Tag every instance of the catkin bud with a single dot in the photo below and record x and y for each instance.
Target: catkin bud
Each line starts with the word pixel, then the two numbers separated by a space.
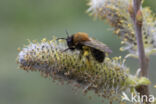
pixel 139 17
pixel 107 79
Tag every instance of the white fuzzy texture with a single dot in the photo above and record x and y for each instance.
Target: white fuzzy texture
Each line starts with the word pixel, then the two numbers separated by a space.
pixel 116 11
pixel 96 4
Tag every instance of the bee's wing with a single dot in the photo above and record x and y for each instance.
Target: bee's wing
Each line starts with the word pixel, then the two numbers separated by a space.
pixel 97 45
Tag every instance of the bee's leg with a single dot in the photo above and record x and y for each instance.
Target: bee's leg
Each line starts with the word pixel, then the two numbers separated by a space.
pixel 88 60
pixel 81 54
pixel 86 55
pixel 65 50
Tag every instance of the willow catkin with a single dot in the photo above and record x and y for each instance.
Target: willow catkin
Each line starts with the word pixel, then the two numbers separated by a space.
pixel 107 79
pixel 118 14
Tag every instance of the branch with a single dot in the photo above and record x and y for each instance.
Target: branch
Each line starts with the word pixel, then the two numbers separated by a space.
pixel 143 60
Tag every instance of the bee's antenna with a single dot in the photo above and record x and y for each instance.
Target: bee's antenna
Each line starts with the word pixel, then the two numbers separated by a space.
pixel 67 32
pixel 61 38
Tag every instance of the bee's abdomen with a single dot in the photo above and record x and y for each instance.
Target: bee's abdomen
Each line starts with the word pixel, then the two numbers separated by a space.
pixel 98 55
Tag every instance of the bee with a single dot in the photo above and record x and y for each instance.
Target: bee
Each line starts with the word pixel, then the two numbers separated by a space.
pixel 82 42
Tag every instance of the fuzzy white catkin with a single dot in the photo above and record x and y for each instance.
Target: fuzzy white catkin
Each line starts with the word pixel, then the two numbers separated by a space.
pixel 108 79
pixel 117 14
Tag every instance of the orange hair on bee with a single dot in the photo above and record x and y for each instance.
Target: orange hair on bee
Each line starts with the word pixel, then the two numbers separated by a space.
pixel 80 37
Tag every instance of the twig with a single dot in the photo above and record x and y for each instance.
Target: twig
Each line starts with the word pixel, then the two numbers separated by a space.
pixel 143 60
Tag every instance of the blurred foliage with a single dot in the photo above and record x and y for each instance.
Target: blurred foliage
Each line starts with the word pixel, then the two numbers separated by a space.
pixel 35 19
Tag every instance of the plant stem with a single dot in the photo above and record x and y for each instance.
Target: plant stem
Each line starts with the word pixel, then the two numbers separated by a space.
pixel 138 29
pixel 143 60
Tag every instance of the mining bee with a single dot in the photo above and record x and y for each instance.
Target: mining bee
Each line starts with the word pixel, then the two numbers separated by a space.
pixel 82 42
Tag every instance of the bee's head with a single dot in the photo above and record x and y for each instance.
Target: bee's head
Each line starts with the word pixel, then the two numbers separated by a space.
pixel 70 42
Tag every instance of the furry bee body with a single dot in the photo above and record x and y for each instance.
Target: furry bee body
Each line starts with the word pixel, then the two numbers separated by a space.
pixel 79 40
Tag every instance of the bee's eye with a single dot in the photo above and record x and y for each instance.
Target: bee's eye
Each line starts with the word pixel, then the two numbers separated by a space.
pixel 69 40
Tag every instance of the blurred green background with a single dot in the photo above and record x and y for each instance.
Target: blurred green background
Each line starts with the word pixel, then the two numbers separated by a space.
pixel 36 19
